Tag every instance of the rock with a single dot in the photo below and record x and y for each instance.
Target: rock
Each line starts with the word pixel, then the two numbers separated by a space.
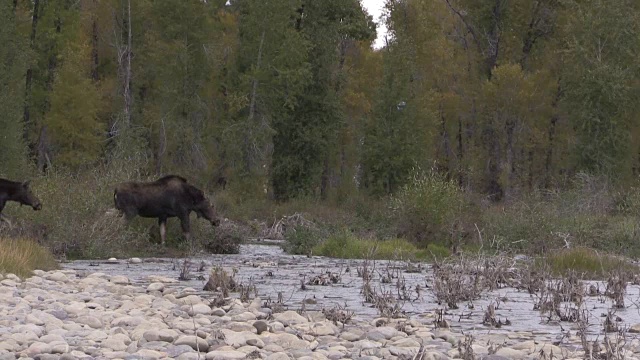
pixel 166 335
pixel 261 326
pixel 494 357
pixel 196 343
pixel 174 351
pixel 57 276
pixel 135 260
pixel 255 342
pixel 115 344
pixel 50 338
pixel 90 321
pixel 349 336
pixel 511 353
pixel 196 309
pixel 289 318
pixel 38 348
pixel 278 356
pixel 286 341
pixel 245 316
pixel 233 338
pixel 384 333
pixel 406 342
pixel 119 279
pixel 156 286
pixel 225 355
pixel 218 312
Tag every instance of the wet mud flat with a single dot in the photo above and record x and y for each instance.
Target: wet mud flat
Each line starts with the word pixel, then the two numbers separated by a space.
pixel 330 283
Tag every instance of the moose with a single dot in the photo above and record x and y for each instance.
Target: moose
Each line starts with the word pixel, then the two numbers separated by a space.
pixel 19 192
pixel 170 196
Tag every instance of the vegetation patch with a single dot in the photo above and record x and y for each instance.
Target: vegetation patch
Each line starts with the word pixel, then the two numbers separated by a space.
pixel 345 245
pixel 21 256
pixel 589 262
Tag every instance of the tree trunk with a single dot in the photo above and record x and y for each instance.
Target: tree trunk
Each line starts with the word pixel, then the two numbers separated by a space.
pixel 94 47
pixel 29 76
pixel 127 76
pixel 551 136
pixel 248 135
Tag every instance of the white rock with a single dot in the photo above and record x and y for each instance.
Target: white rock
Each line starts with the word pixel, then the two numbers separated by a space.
pixel 194 342
pixel 57 276
pixel 233 338
pixel 288 318
pixel 225 355
pixel 120 279
pixel 156 286
pixel 135 260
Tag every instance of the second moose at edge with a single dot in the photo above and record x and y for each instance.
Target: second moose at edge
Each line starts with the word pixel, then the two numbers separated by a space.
pixel 169 196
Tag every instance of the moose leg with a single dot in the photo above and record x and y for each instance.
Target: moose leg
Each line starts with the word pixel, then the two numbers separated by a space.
pixel 163 229
pixel 186 227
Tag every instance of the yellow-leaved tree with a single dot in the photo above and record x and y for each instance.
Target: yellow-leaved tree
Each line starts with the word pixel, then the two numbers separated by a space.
pixel 76 132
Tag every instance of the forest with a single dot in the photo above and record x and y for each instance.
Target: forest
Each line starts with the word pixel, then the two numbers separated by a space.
pixel 487 123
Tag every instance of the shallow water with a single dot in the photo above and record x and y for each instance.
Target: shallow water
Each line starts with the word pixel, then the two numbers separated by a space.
pixel 272 271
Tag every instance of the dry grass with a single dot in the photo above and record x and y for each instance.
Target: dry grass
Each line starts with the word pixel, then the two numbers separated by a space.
pixel 22 256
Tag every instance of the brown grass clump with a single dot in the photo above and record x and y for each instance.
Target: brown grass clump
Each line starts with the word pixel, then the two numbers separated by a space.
pixel 21 256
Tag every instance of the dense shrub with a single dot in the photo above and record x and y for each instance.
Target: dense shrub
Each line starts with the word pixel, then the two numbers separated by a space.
pixel 431 209
pixel 300 240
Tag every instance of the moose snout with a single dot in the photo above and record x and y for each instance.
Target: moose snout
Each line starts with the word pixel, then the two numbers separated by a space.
pixel 215 222
pixel 37 206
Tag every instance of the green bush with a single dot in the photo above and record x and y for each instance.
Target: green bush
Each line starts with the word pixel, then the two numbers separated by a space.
pixel 431 209
pixel 301 240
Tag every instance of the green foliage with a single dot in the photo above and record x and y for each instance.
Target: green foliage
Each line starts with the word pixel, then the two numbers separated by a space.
pixel 73 119
pixel 301 240
pixel 601 82
pixel 428 208
pixel 12 67
pixel 587 215
pixel 346 245
pixel 591 263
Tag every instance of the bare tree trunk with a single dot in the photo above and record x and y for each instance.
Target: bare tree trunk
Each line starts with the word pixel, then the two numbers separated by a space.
pixel 44 153
pixel 127 78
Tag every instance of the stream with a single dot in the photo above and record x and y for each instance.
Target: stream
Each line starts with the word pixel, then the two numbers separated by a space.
pixel 273 272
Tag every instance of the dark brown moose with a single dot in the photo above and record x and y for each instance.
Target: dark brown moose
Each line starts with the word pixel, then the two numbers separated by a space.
pixel 18 192
pixel 167 197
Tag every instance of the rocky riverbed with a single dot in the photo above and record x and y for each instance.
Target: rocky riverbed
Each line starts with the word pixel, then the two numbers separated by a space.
pixel 60 315
pixel 137 309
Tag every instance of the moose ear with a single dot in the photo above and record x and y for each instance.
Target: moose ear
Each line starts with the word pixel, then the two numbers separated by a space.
pixel 25 184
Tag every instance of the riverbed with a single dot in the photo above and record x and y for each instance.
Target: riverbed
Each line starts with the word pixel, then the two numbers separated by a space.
pixel 279 275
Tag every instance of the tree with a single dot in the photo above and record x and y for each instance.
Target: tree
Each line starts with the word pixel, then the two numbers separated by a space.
pixel 12 67
pixel 601 79
pixel 76 132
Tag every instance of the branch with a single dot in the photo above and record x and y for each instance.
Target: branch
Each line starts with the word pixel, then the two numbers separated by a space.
pixel 470 28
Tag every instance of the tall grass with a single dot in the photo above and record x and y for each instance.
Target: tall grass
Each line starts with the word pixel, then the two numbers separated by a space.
pixel 348 246
pixel 592 263
pixel 21 256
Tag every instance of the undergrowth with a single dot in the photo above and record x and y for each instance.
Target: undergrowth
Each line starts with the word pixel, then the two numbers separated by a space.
pixel 348 246
pixel 589 262
pixel 21 256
